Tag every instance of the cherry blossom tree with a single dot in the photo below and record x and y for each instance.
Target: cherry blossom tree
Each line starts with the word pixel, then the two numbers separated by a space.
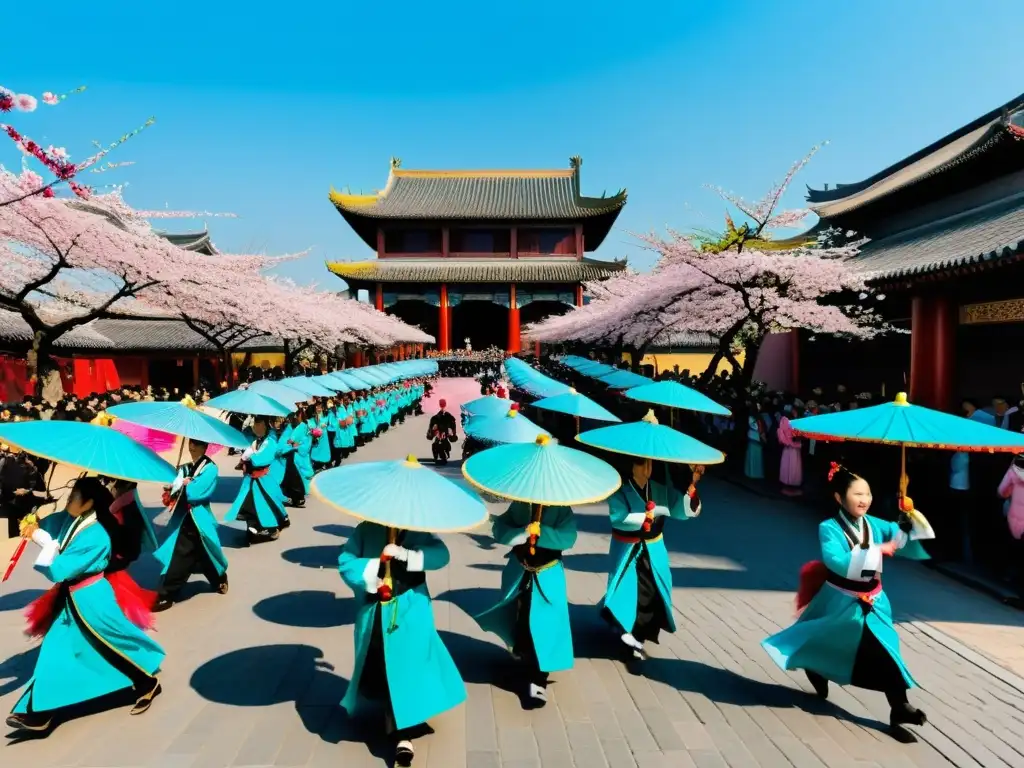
pixel 55 161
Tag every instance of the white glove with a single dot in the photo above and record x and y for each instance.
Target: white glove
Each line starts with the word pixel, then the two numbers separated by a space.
pixel 370 579
pixel 396 552
pixel 247 454
pixel 519 539
pixel 176 485
pixel 41 537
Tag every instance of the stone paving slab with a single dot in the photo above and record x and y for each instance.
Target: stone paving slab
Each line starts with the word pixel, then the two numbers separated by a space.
pixel 253 678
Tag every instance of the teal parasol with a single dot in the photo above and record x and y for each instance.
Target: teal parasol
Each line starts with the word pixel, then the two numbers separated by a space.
pixel 650 440
pixel 510 428
pixel 275 390
pixel 575 404
pixel 90 448
pixel 182 420
pixel 490 405
pixel 250 403
pixel 596 370
pixel 403 495
pixel 331 382
pixel 532 381
pixel 352 382
pixel 624 379
pixel 542 473
pixel 307 386
pixel 672 394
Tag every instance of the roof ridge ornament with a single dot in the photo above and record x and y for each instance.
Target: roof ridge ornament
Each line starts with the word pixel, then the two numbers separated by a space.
pixel 396 163
pixel 575 162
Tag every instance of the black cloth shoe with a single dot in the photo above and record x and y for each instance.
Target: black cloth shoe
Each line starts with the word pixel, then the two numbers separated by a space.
pixel 30 722
pixel 819 683
pixel 904 714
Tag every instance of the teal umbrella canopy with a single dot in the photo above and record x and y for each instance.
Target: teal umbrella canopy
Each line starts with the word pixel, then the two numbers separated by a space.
pixel 90 448
pixel 575 361
pixel 576 404
pixel 513 427
pixel 914 426
pixel 623 379
pixel 401 494
pixel 181 420
pixel 275 390
pixel 490 405
pixel 650 440
pixel 352 382
pixel 672 394
pixel 330 382
pixel 307 386
pixel 532 381
pixel 596 370
pixel 251 403
pixel 542 472
pixel 368 376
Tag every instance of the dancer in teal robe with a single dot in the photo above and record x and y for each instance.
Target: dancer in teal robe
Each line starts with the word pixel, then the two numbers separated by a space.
pixel 399 657
pixel 320 446
pixel 344 436
pixel 353 428
pixel 367 422
pixel 291 485
pixel 638 600
pixel 90 648
pixel 281 430
pixel 302 439
pixel 333 409
pixel 193 542
pixel 845 631
pixel 532 613
pixel 256 505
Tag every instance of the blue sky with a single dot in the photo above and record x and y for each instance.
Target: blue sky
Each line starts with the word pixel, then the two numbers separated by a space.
pixel 260 111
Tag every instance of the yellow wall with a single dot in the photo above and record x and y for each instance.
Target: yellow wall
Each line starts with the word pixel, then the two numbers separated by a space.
pixel 695 362
pixel 257 359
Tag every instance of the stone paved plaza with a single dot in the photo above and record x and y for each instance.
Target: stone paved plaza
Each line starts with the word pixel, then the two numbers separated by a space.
pixel 253 678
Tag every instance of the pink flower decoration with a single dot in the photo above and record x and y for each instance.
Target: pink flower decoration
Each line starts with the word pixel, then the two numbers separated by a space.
pixel 25 102
pixel 50 98
pixel 317 432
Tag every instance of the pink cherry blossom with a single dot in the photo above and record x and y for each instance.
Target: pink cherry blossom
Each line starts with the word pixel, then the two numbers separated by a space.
pixel 25 102
pixel 50 98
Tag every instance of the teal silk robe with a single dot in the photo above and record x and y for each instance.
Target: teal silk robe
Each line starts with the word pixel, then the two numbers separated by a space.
pixel 423 681
pixel 198 494
pixel 320 447
pixel 269 511
pixel 549 605
pixel 826 636
pixel 304 445
pixel 69 670
pixel 628 511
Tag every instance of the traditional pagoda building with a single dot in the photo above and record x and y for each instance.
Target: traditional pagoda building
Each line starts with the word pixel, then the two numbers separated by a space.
pixel 477 254
pixel 946 229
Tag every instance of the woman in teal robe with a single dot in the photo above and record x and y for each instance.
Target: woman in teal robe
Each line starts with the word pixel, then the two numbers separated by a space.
pixel 192 543
pixel 320 446
pixel 343 436
pixel 845 631
pixel 281 430
pixel 532 613
pixel 353 427
pixel 256 505
pixel 90 648
pixel 333 409
pixel 638 600
pixel 302 439
pixel 399 657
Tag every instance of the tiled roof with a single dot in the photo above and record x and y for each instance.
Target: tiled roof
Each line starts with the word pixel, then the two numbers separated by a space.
pixel 191 241
pixel 492 195
pixel 989 233
pixel 682 341
pixel 455 270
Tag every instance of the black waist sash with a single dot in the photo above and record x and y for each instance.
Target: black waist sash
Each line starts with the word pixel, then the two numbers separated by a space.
pixel 850 585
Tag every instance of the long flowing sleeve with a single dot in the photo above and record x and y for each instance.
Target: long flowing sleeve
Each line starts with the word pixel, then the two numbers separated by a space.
pixel 557 529
pixel 427 553
pixel 88 553
pixel 359 572
pixel 266 454
pixel 622 517
pixel 510 524
pixel 200 489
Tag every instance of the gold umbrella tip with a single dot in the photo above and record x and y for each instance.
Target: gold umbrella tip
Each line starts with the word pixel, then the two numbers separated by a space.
pixel 572 391
pixel 901 399
pixel 650 418
pixel 543 439
pixel 412 461
pixel 512 412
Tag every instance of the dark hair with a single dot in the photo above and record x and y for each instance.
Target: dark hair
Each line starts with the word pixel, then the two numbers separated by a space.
pixel 840 479
pixel 198 443
pixel 92 489
pixel 309 411
pixel 261 420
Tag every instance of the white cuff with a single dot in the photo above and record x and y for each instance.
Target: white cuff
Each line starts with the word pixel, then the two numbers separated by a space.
pixel 634 519
pixel 247 454
pixel 695 512
pixel 922 530
pixel 370 575
pixel 47 554
pixel 176 486
pixel 414 562
pixel 861 560
pixel 41 537
pixel 660 511
pixel 901 539
pixel 518 539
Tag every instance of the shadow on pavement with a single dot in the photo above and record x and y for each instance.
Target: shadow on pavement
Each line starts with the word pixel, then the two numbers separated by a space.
pixel 311 609
pixel 262 676
pixel 17 670
pixel 227 489
pixel 496 567
pixel 325 556
pixel 482 540
pixel 16 601
pixel 335 529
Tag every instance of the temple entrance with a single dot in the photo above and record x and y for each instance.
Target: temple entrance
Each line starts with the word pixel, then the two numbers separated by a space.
pixel 536 311
pixel 418 313
pixel 484 323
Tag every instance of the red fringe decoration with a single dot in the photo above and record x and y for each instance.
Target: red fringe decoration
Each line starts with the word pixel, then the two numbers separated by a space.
pixel 812 579
pixel 135 602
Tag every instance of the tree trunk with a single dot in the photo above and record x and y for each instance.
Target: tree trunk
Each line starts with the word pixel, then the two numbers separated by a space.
pixel 288 357
pixel 37 361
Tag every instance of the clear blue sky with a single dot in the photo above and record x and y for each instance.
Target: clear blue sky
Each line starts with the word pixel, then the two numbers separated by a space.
pixel 260 110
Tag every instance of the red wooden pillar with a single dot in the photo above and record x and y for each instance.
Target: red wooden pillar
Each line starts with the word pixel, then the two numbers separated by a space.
pixel 578 241
pixel 195 372
pixel 378 299
pixel 444 322
pixel 513 243
pixel 922 348
pixel 579 295
pixel 943 352
pixel 513 321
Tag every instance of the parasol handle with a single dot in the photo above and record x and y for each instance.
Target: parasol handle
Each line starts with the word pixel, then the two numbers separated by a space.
pixel 538 512
pixel 181 452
